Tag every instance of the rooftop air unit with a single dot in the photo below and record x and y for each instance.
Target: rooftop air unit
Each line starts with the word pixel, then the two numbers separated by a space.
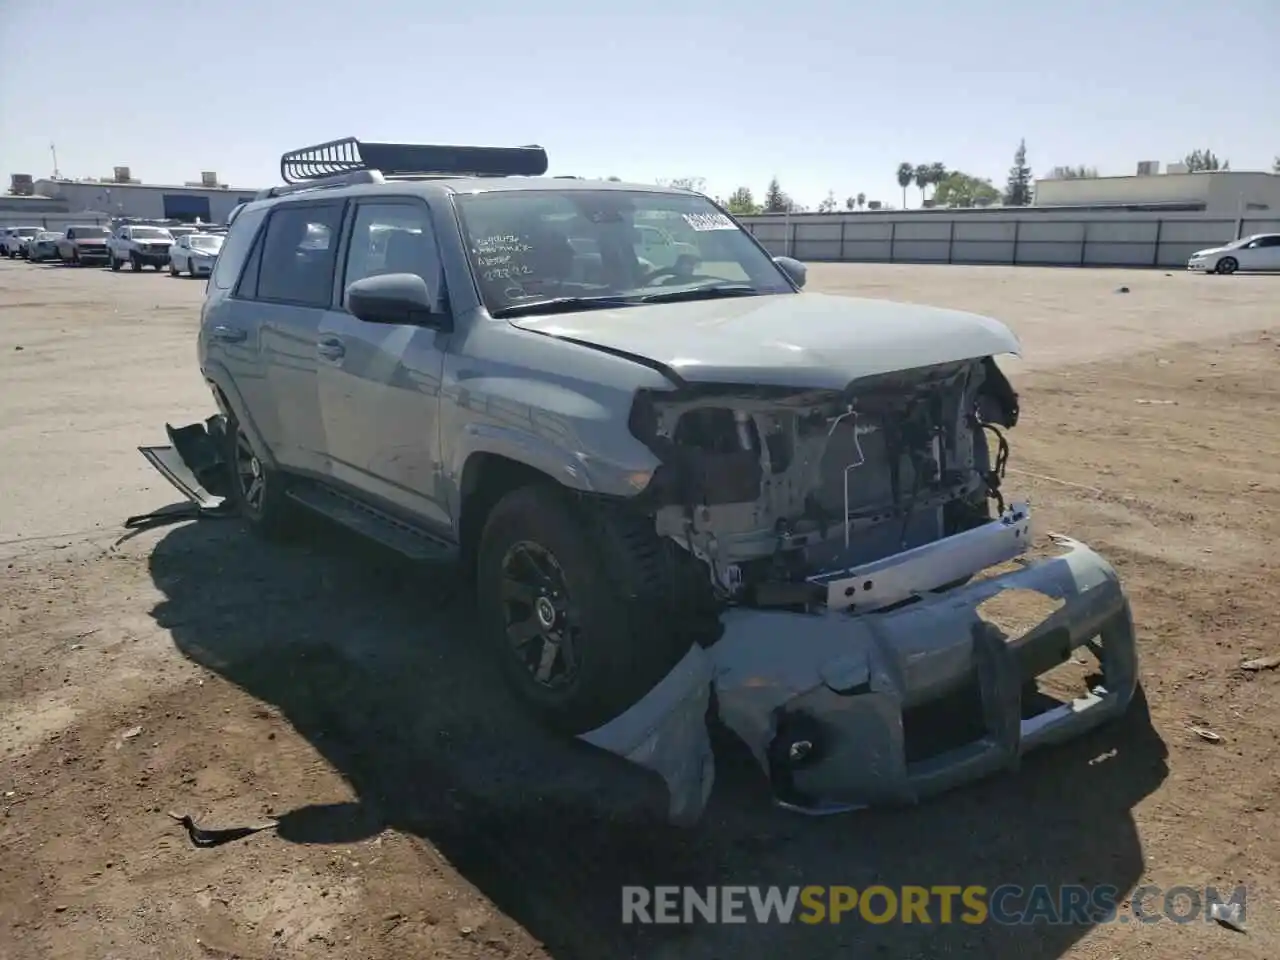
pixel 209 178
pixel 1148 168
pixel 21 185
pixel 1176 168
pixel 122 174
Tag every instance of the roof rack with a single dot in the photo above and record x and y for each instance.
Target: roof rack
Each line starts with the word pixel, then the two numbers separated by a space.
pixel 349 155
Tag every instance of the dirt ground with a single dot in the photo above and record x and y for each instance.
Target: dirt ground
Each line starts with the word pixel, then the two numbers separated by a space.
pixel 192 669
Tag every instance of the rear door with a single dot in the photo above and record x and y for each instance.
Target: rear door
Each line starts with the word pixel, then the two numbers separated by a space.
pixel 284 291
pixel 380 383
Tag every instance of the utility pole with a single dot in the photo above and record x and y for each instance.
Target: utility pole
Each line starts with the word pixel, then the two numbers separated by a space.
pixel 53 149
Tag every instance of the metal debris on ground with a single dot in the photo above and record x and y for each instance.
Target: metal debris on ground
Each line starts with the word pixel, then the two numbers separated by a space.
pixel 1228 915
pixel 214 838
pixel 1206 734
pixel 1261 663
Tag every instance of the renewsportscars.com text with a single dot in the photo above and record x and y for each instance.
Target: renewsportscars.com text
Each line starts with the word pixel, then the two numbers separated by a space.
pixel 1008 904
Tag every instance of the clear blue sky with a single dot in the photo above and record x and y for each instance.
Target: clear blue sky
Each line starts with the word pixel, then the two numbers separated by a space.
pixel 822 93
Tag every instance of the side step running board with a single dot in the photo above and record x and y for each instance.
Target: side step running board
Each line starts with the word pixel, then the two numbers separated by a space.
pixel 374 524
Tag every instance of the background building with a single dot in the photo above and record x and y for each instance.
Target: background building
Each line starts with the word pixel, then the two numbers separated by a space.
pixel 54 202
pixel 1226 193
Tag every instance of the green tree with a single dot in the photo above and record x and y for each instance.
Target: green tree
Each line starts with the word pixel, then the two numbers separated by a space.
pixel 828 204
pixel 775 200
pixel 964 190
pixel 1074 173
pixel 862 200
pixel 906 174
pixel 1275 167
pixel 850 203
pixel 742 203
pixel 614 179
pixel 1198 161
pixel 937 173
pixel 1017 192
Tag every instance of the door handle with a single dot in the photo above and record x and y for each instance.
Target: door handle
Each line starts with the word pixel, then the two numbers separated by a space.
pixel 331 348
pixel 229 334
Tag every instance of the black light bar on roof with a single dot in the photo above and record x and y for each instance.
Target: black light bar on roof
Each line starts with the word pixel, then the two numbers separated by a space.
pixel 410 159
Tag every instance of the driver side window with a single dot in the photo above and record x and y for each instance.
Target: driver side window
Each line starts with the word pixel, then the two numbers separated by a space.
pixel 393 237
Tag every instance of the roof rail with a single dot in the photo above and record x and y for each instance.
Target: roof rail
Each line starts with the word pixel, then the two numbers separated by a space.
pixel 349 155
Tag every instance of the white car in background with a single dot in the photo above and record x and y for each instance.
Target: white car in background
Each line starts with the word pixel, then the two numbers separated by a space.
pixel 14 240
pixel 1261 251
pixel 195 254
pixel 43 246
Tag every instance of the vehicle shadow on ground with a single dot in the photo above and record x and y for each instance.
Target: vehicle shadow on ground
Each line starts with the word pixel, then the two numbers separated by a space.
pixel 376 663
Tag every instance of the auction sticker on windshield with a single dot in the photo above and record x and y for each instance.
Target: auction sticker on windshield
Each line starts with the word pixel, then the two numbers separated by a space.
pixel 709 221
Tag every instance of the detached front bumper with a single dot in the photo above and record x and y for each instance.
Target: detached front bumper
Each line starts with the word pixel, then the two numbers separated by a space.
pixel 844 710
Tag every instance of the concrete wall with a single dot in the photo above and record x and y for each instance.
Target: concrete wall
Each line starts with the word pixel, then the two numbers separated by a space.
pixel 128 200
pixel 1227 194
pixel 1026 236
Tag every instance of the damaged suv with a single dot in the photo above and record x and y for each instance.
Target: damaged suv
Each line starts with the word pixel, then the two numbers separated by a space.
pixel 680 487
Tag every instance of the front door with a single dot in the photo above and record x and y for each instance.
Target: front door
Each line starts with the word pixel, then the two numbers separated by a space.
pixel 380 383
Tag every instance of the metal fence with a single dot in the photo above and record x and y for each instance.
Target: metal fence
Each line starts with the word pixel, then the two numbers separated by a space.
pixel 1024 237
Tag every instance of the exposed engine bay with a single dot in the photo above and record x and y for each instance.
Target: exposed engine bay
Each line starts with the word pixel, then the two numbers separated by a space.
pixel 776 491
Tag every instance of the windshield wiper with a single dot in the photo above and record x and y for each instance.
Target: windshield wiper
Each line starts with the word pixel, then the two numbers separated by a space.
pixel 562 305
pixel 712 292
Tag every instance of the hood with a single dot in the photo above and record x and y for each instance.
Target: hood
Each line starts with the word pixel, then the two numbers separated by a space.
pixel 806 340
pixel 1209 251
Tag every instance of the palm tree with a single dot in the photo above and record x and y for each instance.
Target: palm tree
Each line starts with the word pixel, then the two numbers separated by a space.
pixel 924 177
pixel 937 173
pixel 862 200
pixel 906 173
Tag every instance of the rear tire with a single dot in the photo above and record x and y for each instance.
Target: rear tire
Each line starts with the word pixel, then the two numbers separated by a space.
pixel 173 269
pixel 557 572
pixel 135 264
pixel 115 264
pixel 1227 266
pixel 257 490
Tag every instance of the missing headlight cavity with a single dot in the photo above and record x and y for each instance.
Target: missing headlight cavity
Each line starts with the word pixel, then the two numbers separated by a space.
pixel 770 487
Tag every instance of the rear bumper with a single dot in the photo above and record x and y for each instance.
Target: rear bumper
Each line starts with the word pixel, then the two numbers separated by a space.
pixel 844 710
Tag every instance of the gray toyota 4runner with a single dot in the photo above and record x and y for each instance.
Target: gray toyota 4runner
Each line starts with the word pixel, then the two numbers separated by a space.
pixel 680 484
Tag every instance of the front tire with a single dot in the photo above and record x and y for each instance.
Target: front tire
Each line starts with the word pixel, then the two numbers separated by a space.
pixel 1227 266
pixel 173 269
pixel 135 264
pixel 115 264
pixel 257 490
pixel 571 606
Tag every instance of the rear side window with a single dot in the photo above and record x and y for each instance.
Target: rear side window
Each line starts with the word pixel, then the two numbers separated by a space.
pixel 298 254
pixel 236 248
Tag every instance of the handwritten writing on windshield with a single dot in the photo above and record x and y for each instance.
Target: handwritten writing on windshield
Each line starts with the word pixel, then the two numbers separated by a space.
pixel 501 257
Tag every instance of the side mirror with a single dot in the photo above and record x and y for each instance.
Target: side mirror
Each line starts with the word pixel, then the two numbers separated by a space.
pixel 393 298
pixel 792 268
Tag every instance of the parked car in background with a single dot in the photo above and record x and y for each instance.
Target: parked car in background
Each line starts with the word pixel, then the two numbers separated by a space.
pixel 13 243
pixel 84 243
pixel 183 231
pixel 195 254
pixel 43 246
pixel 139 246
pixel 1261 251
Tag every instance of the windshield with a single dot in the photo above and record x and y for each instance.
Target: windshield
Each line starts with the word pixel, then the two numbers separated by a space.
pixel 534 246
pixel 212 244
pixel 151 233
pixel 26 233
pixel 90 232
